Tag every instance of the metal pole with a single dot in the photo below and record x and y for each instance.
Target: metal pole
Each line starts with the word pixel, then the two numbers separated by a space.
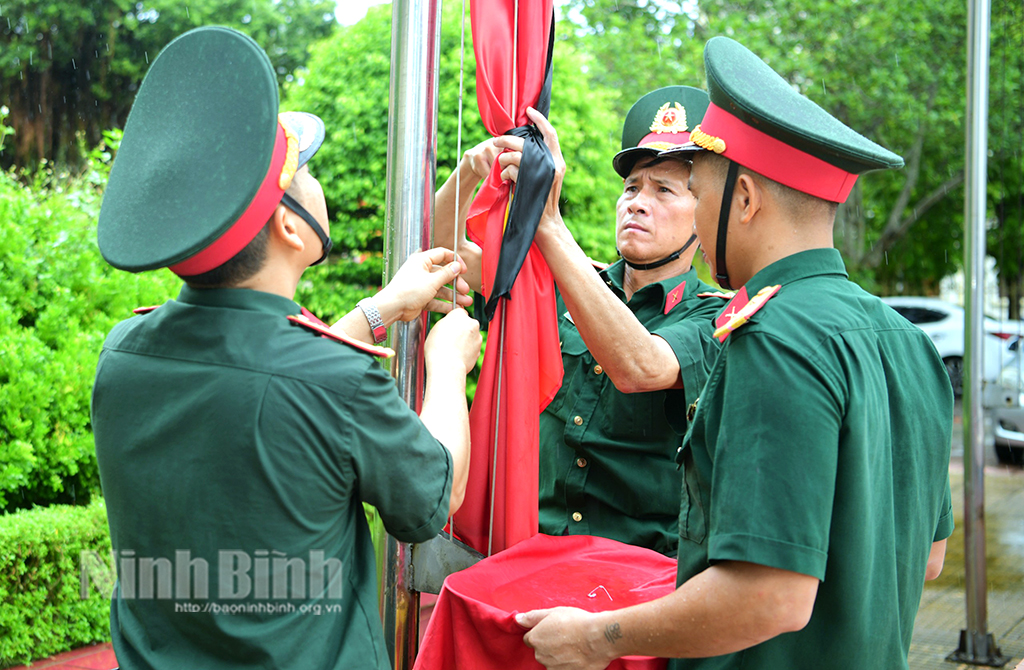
pixel 411 174
pixel 977 645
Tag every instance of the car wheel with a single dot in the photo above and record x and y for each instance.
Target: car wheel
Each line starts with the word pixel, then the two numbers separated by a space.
pixel 955 369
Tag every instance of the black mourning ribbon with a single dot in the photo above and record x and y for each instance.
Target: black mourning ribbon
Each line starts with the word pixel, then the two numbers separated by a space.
pixel 536 174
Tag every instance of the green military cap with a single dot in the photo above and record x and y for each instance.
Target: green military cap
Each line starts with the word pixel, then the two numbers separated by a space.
pixel 205 158
pixel 759 121
pixel 660 120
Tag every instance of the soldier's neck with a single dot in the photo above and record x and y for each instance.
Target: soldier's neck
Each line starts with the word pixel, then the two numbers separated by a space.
pixel 634 280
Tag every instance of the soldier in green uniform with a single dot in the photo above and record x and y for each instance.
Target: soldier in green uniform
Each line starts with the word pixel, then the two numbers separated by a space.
pixel 816 497
pixel 635 337
pixel 237 437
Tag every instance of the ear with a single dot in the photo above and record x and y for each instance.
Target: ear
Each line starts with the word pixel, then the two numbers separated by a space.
pixel 747 199
pixel 283 230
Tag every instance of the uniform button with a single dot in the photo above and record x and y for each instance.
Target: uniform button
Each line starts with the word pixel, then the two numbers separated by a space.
pixel 576 516
pixel 581 462
pixel 598 369
pixel 578 420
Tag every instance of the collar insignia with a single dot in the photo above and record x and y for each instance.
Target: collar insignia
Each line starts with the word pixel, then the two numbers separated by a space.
pixel 673 297
pixel 670 119
pixel 740 309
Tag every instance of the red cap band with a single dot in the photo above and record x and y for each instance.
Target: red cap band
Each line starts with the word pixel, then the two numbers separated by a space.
pixel 242 232
pixel 664 140
pixel 775 159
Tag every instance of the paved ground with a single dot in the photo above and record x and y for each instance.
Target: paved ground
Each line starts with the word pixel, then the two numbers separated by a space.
pixel 943 610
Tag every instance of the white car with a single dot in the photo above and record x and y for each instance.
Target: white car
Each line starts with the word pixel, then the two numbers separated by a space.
pixel 943 322
pixel 1008 416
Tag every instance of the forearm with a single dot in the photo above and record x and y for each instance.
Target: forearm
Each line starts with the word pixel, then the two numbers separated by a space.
pixel 727 608
pixel 633 358
pixel 444 205
pixel 446 417
pixel 355 324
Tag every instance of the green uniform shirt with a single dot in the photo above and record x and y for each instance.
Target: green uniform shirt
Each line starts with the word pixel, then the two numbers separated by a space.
pixel 606 457
pixel 821 445
pixel 235 451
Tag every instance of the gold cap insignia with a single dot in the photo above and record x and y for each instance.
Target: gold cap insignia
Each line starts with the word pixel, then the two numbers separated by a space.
pixel 670 119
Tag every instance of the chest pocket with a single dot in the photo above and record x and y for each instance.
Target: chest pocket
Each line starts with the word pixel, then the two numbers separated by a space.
pixel 575 361
pixel 692 520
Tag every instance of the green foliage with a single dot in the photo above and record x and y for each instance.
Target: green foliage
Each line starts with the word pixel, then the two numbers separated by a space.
pixel 58 299
pixel 69 70
pixel 42 612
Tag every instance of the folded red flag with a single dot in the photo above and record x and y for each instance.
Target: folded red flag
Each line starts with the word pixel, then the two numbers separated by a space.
pixel 473 625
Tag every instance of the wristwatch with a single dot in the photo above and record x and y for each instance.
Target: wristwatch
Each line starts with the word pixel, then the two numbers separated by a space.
pixel 380 333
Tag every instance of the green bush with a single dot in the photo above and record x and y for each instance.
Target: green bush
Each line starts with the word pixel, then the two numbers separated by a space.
pixel 58 299
pixel 42 612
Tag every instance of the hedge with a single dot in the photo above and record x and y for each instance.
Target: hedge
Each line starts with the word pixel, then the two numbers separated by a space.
pixel 41 609
pixel 58 300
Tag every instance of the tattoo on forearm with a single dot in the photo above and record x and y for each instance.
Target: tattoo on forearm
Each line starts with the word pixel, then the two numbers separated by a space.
pixel 612 632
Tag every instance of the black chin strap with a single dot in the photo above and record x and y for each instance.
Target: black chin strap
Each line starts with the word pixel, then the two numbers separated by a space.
pixel 721 274
pixel 325 242
pixel 664 261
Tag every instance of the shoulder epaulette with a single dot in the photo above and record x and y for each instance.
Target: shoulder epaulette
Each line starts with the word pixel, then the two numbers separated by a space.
pixel 302 320
pixel 739 310
pixel 144 310
pixel 717 294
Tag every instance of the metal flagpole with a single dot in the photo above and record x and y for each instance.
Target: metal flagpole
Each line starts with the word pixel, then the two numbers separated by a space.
pixel 411 174
pixel 977 645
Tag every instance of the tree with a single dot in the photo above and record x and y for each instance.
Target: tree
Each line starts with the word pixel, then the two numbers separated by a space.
pixel 900 230
pixel 347 84
pixel 70 70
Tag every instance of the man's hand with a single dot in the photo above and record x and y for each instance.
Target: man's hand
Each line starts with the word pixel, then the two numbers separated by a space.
pixel 453 342
pixel 420 284
pixel 477 161
pixel 566 638
pixel 512 158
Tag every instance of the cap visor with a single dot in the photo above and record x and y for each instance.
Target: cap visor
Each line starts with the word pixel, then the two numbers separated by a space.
pixel 310 130
pixel 683 149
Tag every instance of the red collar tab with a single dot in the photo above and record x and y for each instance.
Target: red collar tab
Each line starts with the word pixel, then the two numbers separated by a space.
pixel 598 265
pixel 725 134
pixel 255 216
pixel 740 309
pixel 673 297
pixel 144 310
pixel 306 322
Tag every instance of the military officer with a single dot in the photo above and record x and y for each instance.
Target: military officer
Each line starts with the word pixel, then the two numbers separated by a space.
pixel 816 495
pixel 636 336
pixel 237 437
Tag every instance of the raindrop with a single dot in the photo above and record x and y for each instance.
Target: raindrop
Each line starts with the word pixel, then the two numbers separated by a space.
pixel 96 53
pixel 187 15
pixel 49 50
pixel 823 89
pixel 147 57
pixel 73 65
pixel 88 76
pixel 40 108
pixel 897 60
pixel 30 58
pixel 886 257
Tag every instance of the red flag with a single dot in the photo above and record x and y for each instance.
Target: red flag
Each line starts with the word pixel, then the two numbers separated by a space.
pixel 524 335
pixel 473 625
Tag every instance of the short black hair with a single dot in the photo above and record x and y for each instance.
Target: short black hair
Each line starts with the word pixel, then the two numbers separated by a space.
pixel 238 268
pixel 797 202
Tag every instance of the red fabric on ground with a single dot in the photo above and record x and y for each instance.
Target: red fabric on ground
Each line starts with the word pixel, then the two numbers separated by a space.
pixel 473 625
